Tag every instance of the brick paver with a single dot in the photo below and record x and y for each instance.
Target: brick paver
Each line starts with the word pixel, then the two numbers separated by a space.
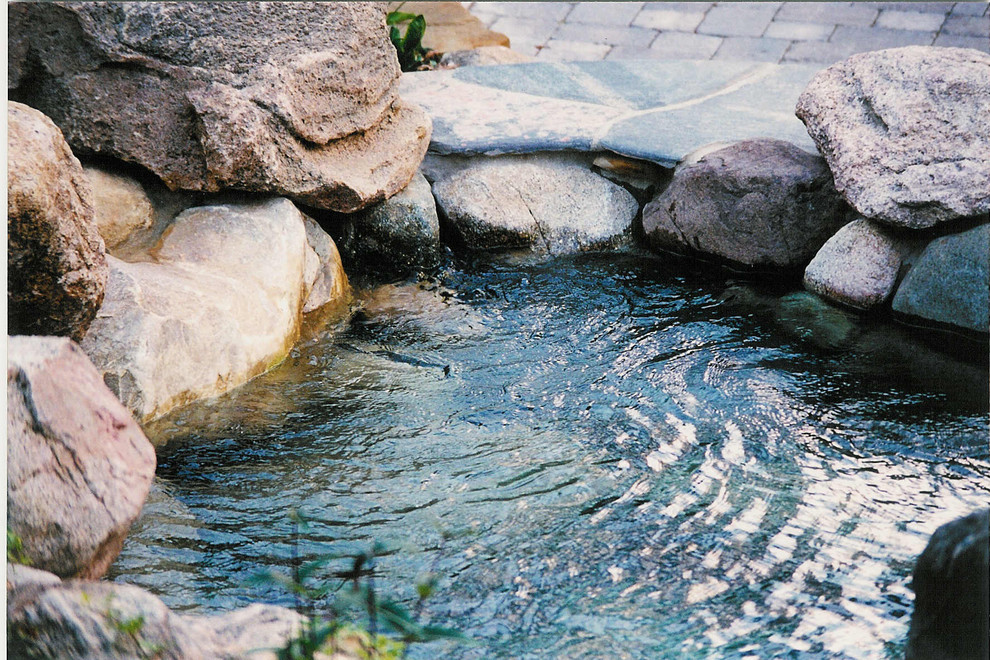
pixel 822 32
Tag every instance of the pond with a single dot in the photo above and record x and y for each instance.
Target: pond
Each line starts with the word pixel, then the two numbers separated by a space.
pixel 598 456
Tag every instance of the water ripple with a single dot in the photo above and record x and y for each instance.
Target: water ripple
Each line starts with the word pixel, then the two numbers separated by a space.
pixel 618 462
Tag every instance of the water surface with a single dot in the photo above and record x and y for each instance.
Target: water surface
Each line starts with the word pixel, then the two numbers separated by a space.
pixel 598 457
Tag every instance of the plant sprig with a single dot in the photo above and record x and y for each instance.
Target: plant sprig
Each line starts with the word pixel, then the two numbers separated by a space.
pixel 409 47
pixel 355 591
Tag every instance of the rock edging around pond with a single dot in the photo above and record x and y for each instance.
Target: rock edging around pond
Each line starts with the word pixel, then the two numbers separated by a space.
pixel 770 220
pixel 78 467
pixel 47 617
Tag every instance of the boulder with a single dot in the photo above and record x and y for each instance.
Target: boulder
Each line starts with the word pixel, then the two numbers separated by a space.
pixel 56 268
pixel 78 466
pixel 220 303
pixel 905 132
pixel 759 204
pixel 951 577
pixel 948 283
pixel 858 266
pixel 121 205
pixel 397 237
pixel 75 620
pixel 552 204
pixel 295 99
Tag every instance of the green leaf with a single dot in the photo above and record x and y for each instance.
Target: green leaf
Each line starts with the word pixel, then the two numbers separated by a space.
pixel 413 42
pixel 431 633
pixel 398 17
pixel 426 588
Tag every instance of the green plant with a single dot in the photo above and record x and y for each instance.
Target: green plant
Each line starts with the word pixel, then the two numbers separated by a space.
pixel 352 589
pixel 409 47
pixel 129 628
pixel 15 549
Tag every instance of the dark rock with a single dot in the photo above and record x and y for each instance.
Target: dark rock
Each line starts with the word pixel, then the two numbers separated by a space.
pixel 951 619
pixel 56 265
pixel 949 282
pixel 761 204
pixel 78 466
pixel 905 132
pixel 395 238
pixel 298 99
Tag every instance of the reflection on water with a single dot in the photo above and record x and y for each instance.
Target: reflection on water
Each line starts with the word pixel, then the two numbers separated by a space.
pixel 598 458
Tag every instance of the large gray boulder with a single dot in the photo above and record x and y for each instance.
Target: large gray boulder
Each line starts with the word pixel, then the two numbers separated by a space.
pixel 397 237
pixel 78 620
pixel 56 268
pixel 552 204
pixel 761 204
pixel 218 301
pixel 295 99
pixel 78 466
pixel 906 132
pixel 951 583
pixel 949 282
pixel 859 266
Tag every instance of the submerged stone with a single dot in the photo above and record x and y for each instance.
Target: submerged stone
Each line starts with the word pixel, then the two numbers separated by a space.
pixel 807 317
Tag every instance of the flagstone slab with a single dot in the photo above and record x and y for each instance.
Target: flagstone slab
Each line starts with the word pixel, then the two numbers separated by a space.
pixel 654 110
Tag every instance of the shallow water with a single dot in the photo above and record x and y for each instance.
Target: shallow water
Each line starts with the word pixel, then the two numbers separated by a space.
pixel 599 458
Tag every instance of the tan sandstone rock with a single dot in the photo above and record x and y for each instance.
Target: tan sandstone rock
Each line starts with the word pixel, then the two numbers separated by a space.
pixel 56 270
pixel 221 302
pixel 78 466
pixel 122 207
pixel 451 27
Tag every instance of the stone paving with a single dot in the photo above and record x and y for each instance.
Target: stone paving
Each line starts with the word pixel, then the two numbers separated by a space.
pixel 658 111
pixel 782 32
